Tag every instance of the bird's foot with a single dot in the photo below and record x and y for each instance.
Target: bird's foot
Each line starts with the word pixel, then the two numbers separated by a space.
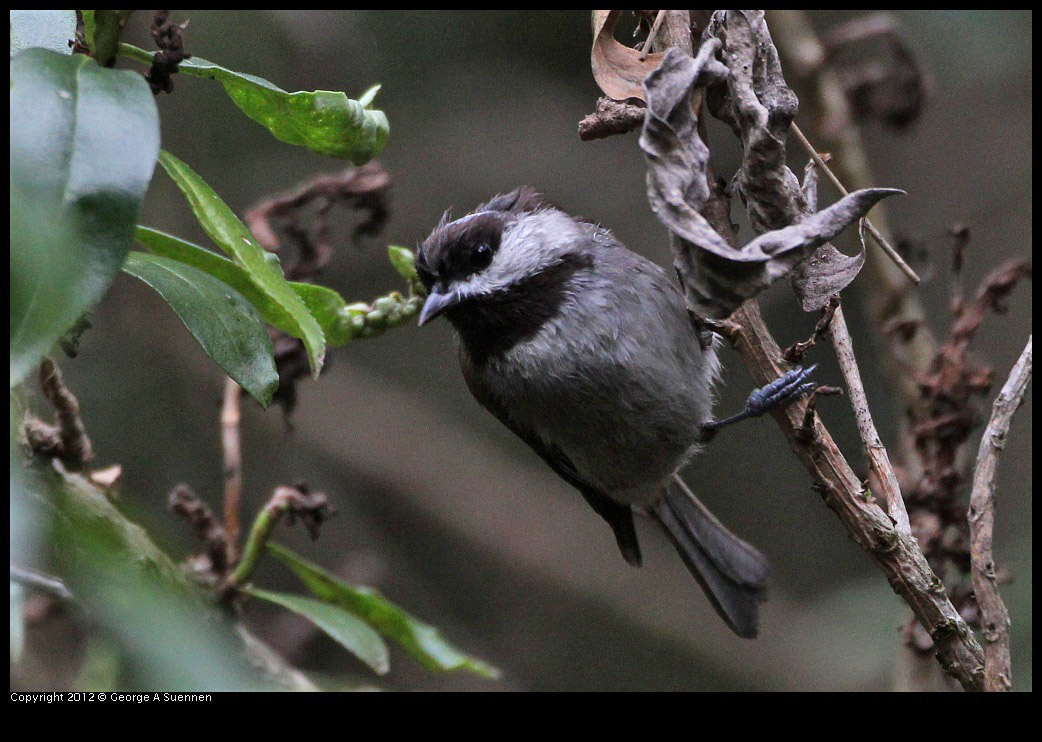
pixel 769 397
pixel 780 391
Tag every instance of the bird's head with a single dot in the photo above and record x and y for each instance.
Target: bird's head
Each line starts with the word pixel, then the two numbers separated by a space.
pixel 509 246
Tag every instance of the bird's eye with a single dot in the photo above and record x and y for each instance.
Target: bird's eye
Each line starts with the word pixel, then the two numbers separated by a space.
pixel 481 256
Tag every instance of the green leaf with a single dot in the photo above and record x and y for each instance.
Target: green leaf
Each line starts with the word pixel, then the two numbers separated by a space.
pixel 421 640
pixel 350 632
pixel 225 324
pixel 232 236
pixel 101 29
pixel 324 121
pixel 326 305
pixel 84 142
pixel 47 29
pixel 47 264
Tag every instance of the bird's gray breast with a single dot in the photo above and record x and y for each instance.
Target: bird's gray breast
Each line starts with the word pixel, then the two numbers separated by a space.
pixel 615 377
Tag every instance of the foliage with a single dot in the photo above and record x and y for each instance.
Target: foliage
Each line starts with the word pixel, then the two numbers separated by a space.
pixel 84 145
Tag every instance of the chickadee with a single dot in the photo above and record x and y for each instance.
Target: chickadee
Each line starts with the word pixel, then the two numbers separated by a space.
pixel 587 352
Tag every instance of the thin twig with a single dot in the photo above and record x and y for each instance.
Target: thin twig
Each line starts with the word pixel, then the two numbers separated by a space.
pixel 806 431
pixel 39 581
pixel 75 450
pixel 794 353
pixel 231 447
pixel 364 188
pixel 645 50
pixel 994 616
pixel 888 296
pixel 312 508
pixel 188 505
pixel 876 234
pixel 611 117
pixel 877 455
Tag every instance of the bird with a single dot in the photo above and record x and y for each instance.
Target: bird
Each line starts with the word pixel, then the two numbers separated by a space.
pixel 587 352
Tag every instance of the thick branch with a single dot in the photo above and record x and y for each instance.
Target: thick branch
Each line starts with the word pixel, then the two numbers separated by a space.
pixel 994 616
pixel 897 555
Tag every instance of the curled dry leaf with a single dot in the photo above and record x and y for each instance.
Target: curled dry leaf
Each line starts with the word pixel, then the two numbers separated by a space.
pixel 828 271
pixel 718 277
pixel 618 69
pixel 825 273
pixel 759 107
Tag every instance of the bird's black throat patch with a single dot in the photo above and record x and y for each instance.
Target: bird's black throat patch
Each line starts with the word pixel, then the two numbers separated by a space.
pixel 491 325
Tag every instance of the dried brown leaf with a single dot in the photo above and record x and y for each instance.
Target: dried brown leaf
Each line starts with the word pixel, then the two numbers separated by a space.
pixel 617 68
pixel 755 101
pixel 759 107
pixel 717 276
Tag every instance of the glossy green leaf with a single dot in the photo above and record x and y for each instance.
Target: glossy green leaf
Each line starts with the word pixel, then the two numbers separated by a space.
pixel 47 29
pixel 324 121
pixel 47 263
pixel 349 631
pixel 326 305
pixel 421 640
pixel 232 236
pixel 225 324
pixel 84 142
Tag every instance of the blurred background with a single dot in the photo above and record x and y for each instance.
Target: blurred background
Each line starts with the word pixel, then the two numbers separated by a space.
pixel 440 507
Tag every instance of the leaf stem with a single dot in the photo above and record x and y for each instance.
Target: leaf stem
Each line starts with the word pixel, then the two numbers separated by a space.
pixel 260 532
pixel 136 53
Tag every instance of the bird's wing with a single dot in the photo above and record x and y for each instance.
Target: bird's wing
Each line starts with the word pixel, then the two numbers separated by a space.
pixel 618 515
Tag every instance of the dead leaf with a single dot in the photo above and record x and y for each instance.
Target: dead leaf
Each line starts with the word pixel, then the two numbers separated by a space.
pixel 717 276
pixel 617 68
pixel 824 274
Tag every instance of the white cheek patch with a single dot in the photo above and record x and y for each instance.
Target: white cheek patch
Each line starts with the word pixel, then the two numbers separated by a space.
pixel 529 246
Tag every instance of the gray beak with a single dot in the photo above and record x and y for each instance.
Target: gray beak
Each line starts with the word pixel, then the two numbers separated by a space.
pixel 436 304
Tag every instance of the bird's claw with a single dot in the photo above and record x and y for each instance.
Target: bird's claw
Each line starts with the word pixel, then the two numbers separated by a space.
pixel 780 391
pixel 768 397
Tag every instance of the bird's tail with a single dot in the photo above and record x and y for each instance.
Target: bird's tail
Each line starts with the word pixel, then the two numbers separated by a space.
pixel 731 572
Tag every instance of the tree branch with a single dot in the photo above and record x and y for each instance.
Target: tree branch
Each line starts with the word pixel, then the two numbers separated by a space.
pixel 893 549
pixel 994 616
pixel 910 345
pixel 877 456
pixel 898 556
